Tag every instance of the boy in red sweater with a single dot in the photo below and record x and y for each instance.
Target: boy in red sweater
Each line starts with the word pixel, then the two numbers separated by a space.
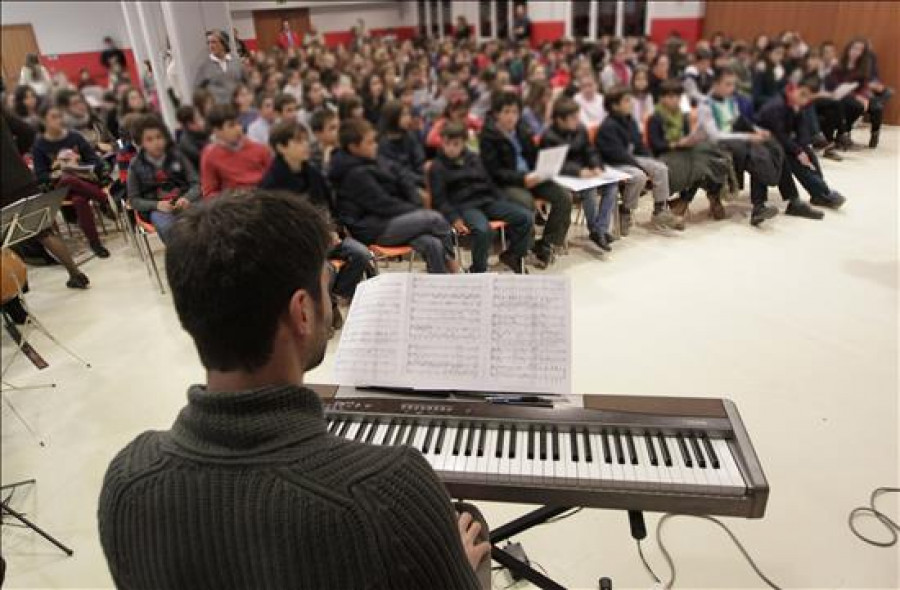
pixel 231 160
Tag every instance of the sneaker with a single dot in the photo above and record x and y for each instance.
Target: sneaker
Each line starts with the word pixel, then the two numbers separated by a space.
pixel 625 223
pixel 679 206
pixel 832 154
pixel 78 281
pixel 832 200
pixel 844 142
pixel 761 213
pixel 873 139
pixel 666 219
pixel 716 209
pixel 819 142
pixel 600 240
pixel 544 254
pixel 798 208
pixel 100 250
pixel 515 263
pixel 609 238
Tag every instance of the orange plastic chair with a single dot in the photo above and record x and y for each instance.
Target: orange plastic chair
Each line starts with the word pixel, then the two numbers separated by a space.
pixel 385 253
pixel 592 133
pixel 143 230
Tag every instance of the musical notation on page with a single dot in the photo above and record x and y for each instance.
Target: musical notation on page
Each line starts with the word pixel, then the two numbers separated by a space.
pixel 481 332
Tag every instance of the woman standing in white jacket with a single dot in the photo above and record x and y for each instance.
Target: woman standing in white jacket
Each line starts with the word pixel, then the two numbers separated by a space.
pixel 35 75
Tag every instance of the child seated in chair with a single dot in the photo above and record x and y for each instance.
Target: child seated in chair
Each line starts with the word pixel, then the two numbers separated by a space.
pixel 161 181
pixel 464 193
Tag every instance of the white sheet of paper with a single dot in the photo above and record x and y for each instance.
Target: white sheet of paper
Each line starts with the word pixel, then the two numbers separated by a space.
pixel 476 332
pixel 844 89
pixel 550 161
pixel 577 185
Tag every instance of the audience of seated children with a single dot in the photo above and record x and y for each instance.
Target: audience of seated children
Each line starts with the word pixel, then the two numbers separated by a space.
pixel 620 145
pixel 230 161
pixel 243 103
pixel 463 191
pixel 161 181
pixel 692 162
pixel 509 155
pixel 324 125
pixel 591 102
pixel 784 118
pixel 397 147
pixel 583 161
pixel 292 171
pixel 381 208
pixel 259 129
pixel 64 158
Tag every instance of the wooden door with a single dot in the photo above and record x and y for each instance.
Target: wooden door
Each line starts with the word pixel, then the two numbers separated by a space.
pixel 17 42
pixel 268 25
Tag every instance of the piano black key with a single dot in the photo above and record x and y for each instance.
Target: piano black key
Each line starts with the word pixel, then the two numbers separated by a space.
pixel 555 444
pixel 482 435
pixel 401 430
pixel 684 451
pixel 429 433
pixel 632 452
pixel 701 460
pixel 664 447
pixel 588 454
pixel 411 435
pixel 573 439
pixel 543 454
pixel 392 425
pixel 333 424
pixel 345 427
pixel 458 440
pixel 470 439
pixel 531 442
pixel 607 455
pixel 440 438
pixel 512 442
pixel 361 431
pixel 654 460
pixel 620 453
pixel 710 452
pixel 372 428
pixel 498 450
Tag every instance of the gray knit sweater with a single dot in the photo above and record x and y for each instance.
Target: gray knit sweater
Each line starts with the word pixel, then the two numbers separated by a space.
pixel 248 490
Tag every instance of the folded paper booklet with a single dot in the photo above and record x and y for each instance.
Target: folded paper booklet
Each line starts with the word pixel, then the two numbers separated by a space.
pixel 576 184
pixel 475 332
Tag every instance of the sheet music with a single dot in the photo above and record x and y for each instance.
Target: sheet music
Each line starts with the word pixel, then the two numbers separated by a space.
pixel 576 184
pixel 480 332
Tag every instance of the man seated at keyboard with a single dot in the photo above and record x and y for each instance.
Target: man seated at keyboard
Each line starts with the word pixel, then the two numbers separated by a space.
pixel 247 489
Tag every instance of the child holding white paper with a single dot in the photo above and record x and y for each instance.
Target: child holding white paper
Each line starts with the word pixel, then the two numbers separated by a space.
pixel 583 161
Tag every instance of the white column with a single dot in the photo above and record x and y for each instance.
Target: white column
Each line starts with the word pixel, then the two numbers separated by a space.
pixel 155 41
pixel 620 17
pixel 135 37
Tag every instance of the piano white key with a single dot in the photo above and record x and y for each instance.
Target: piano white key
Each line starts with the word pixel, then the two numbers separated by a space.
pixel 493 463
pixel 644 469
pixel 599 475
pixel 446 454
pixel 568 476
pixel 682 475
pixel 481 462
pixel 517 462
pixel 380 431
pixel 733 481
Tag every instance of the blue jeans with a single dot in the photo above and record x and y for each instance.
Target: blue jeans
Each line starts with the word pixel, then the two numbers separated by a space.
pixel 598 211
pixel 518 229
pixel 162 221
pixel 356 259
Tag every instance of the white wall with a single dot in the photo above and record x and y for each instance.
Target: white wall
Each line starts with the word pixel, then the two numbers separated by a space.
pixel 331 16
pixel 68 27
pixel 666 9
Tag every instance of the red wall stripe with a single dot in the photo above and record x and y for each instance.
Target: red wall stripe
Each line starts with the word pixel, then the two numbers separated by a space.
pixel 71 64
pixel 551 30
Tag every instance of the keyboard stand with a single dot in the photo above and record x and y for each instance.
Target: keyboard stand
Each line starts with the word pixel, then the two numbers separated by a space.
pixel 520 525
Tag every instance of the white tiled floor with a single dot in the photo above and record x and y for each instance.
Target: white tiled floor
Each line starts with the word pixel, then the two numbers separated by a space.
pixel 796 322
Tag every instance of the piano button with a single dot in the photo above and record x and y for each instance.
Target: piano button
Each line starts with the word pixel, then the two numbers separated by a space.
pixel 470 438
pixel 439 442
pixel 685 454
pixel 429 434
pixel 629 442
pixel 588 451
pixel 411 435
pixel 710 452
pixel 651 452
pixel 481 436
pixel 698 454
pixel 512 441
pixel 573 442
pixel 664 449
pixel 345 427
pixel 373 428
pixel 498 449
pixel 620 453
pixel 543 445
pixel 555 439
pixel 531 442
pixel 607 454
pixel 389 433
pixel 457 441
